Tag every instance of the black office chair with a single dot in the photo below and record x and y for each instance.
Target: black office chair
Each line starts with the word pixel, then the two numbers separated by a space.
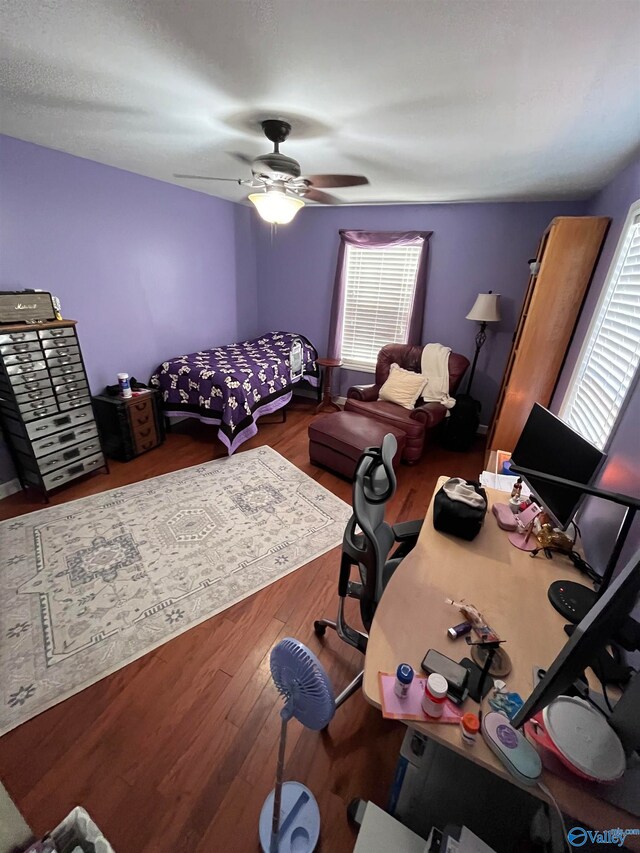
pixel 373 485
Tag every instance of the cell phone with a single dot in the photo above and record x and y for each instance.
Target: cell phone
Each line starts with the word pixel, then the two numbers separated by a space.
pixel 455 674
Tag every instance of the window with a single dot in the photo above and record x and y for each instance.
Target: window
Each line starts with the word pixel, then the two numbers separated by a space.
pixel 609 358
pixel 379 291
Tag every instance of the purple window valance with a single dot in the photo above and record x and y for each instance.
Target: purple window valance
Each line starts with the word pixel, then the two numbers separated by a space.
pixel 379 240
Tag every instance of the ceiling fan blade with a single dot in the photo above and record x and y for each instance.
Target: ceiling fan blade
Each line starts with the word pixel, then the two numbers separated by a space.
pixel 322 198
pixel 325 181
pixel 240 157
pixel 207 178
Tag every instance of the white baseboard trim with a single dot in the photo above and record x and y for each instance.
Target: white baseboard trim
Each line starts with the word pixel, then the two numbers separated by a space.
pixel 9 488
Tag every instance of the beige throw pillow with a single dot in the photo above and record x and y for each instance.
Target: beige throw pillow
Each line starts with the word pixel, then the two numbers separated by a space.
pixel 402 387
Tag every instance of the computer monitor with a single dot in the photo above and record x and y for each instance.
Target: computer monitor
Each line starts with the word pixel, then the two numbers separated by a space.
pixel 548 445
pixel 559 465
pixel 590 636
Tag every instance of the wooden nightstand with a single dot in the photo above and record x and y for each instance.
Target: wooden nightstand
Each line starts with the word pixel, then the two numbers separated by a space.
pixel 129 427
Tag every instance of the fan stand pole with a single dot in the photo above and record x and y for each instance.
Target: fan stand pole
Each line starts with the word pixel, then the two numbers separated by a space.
pixel 277 796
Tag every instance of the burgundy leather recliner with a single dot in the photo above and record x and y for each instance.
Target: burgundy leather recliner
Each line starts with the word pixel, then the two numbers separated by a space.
pixel 417 422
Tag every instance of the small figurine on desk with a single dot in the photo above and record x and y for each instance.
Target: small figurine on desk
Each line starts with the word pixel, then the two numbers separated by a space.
pixel 516 497
pixel 486 654
pixel 516 491
pixel 477 620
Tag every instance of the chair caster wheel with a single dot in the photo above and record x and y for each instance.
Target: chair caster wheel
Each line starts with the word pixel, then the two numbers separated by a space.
pixel 320 629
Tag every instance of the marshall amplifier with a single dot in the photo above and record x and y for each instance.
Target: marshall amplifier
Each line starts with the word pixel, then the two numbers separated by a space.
pixel 25 306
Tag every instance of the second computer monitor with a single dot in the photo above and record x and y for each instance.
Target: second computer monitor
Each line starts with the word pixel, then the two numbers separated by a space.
pixel 594 632
pixel 548 445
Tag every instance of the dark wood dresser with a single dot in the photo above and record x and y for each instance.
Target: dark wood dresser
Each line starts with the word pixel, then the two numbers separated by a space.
pixel 129 427
pixel 45 407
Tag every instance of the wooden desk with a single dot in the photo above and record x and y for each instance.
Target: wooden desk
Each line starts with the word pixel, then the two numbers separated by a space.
pixel 510 588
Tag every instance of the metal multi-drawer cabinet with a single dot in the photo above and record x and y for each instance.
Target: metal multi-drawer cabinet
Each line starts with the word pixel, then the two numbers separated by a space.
pixel 45 405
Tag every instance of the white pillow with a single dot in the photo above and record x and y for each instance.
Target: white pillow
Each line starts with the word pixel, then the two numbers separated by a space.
pixel 402 387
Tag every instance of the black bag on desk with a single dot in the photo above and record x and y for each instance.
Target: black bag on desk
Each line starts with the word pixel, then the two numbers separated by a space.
pixel 457 515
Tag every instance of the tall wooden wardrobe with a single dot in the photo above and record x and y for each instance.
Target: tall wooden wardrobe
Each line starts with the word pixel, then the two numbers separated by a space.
pixel 567 254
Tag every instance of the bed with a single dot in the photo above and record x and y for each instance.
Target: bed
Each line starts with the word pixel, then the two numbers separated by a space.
pixel 232 386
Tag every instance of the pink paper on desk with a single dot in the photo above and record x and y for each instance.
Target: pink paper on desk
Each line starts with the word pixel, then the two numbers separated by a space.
pixel 410 708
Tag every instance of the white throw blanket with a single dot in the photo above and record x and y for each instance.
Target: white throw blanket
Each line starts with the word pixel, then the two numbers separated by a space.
pixel 435 369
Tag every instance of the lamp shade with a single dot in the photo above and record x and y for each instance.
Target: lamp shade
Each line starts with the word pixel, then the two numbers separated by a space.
pixel 276 206
pixel 486 308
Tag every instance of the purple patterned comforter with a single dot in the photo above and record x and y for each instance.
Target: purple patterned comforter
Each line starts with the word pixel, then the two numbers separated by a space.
pixel 234 385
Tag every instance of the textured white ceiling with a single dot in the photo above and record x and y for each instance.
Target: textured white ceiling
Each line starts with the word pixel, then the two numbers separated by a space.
pixel 434 101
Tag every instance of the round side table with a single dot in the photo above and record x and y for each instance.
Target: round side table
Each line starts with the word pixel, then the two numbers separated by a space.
pixel 327 404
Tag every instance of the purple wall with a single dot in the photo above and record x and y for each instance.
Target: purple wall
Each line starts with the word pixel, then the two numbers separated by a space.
pixel 148 269
pixel 474 247
pixel 151 270
pixel 599 520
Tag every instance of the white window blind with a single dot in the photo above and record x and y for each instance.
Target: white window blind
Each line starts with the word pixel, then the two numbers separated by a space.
pixel 379 290
pixel 609 359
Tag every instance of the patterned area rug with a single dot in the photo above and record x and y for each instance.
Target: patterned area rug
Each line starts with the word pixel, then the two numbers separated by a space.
pixel 91 585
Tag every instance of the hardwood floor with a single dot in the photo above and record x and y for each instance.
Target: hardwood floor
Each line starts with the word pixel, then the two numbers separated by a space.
pixel 177 751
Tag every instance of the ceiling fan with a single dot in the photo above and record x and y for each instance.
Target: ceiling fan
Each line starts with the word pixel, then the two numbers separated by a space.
pixel 284 187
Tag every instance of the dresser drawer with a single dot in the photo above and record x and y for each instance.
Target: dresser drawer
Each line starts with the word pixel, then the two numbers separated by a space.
pixel 62 355
pixel 142 424
pixel 29 404
pixel 33 391
pixel 69 382
pixel 145 438
pixel 72 382
pixel 59 343
pixel 16 371
pixel 38 409
pixel 72 391
pixel 68 419
pixel 83 400
pixel 64 365
pixel 53 334
pixel 68 437
pixel 65 456
pixel 75 469
pixel 20 348
pixel 19 374
pixel 15 337
pixel 140 412
pixel 19 359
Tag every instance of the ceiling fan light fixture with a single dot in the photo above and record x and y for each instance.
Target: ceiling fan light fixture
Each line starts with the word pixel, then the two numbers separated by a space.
pixel 275 206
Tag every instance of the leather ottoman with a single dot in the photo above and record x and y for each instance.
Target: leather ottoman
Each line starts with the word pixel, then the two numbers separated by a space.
pixel 336 441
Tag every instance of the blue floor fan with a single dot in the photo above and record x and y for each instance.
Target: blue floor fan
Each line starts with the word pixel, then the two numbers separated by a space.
pixel 290 817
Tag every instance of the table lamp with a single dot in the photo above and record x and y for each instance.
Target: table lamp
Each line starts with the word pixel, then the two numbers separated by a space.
pixel 486 309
